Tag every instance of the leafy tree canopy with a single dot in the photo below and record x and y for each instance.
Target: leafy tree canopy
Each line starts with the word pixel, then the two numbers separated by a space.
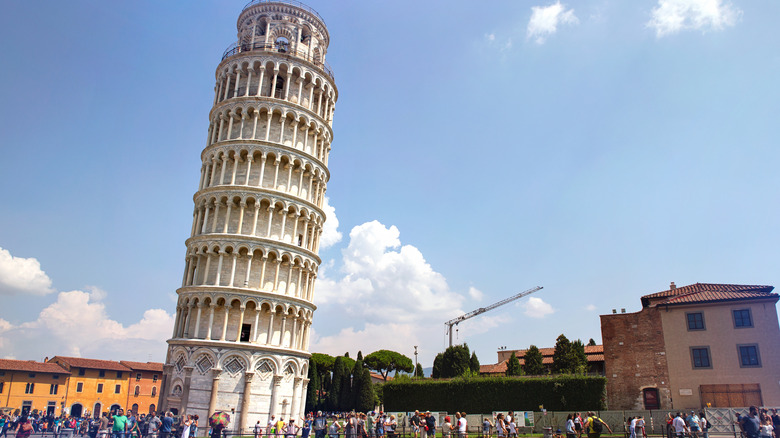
pixel 513 366
pixel 385 361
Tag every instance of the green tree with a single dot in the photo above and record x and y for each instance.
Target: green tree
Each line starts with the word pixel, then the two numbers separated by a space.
pixel 418 371
pixel 562 356
pixel 334 394
pixel 569 357
pixel 346 401
pixel 581 359
pixel 533 365
pixel 357 382
pixel 455 361
pixel 591 343
pixel 384 361
pixel 324 398
pixel 513 366
pixel 324 364
pixel 366 398
pixel 436 372
pixel 474 363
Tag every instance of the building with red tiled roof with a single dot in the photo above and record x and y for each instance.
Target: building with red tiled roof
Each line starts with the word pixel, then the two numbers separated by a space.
pixel 94 385
pixel 694 346
pixel 29 385
pixel 593 353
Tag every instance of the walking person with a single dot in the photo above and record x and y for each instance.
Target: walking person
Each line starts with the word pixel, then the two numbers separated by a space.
pixel 571 432
pixel 594 425
pixel 486 426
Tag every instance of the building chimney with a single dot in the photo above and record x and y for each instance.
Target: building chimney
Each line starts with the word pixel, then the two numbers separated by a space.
pixel 672 286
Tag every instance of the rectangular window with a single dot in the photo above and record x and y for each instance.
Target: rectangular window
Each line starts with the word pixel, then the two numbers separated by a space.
pixel 102 373
pixel 118 374
pixel 117 389
pixel 100 388
pixel 742 318
pixel 55 376
pixel 137 376
pixel 53 389
pixel 30 388
pixel 2 373
pixel 82 371
pixel 31 375
pixel 695 321
pixel 748 356
pixel 2 384
pixel 700 357
pixel 79 386
pixel 154 378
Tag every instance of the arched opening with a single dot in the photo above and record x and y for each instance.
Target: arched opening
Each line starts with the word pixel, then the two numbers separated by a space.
pixel 174 411
pixel 96 410
pixel 650 397
pixel 76 409
pixel 282 45
pixel 115 407
pixel 135 408
pixel 137 391
pixel 154 391
pixel 152 407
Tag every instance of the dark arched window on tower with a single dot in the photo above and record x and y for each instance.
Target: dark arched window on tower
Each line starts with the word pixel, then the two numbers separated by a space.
pixel 282 45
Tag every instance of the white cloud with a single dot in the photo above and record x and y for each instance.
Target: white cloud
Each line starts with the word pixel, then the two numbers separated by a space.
pixel 672 16
pixel 545 20
pixel 20 275
pixel 490 37
pixel 387 295
pixel 475 293
pixel 330 232
pixel 536 308
pixel 77 324
pixel 590 307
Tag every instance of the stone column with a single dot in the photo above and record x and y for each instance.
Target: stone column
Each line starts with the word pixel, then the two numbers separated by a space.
pixel 233 269
pixel 245 400
pixel 304 387
pixel 270 335
pixel 242 310
pixel 196 335
pixel 296 398
pixel 241 217
pixel 225 322
pixel 162 401
pixel 212 306
pixel 248 269
pixel 214 389
pixel 275 394
pixel 185 396
pixel 187 320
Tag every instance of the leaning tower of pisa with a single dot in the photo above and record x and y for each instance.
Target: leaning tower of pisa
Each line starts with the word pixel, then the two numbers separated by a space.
pixel 244 312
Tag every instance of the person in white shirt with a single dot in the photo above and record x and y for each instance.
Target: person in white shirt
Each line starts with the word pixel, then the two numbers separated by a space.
pixel 462 425
pixel 679 425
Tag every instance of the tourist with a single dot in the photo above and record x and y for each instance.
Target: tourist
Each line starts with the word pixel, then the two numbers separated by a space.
pixel 750 423
pixel 320 425
pixel 513 428
pixel 463 425
pixel 291 429
pixel 120 424
pixel 500 425
pixel 632 427
pixel 258 429
pixel 166 426
pixel 639 428
pixel 767 429
pixel 280 426
pixel 680 428
pixel 269 428
pixel 430 424
pixel 693 424
pixel 390 426
pixel 415 423
pixel 446 428
pixel 186 422
pixel 594 425
pixel 335 428
pixel 306 428
pixel 571 431
pixel 379 427
pixel 24 427
pixel 486 426
pixel 153 425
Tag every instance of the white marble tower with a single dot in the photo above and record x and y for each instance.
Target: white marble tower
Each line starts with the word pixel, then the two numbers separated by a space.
pixel 244 312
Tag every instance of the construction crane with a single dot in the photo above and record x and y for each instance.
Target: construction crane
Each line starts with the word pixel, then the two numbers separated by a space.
pixel 482 310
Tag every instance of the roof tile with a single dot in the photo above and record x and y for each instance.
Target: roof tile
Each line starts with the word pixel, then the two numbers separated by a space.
pixel 96 364
pixel 32 366
pixel 708 292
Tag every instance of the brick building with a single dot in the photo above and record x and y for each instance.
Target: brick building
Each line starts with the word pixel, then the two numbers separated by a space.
pixel 694 346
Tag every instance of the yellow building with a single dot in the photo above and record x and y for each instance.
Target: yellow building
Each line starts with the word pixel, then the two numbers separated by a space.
pixel 94 385
pixel 29 385
pixel 144 386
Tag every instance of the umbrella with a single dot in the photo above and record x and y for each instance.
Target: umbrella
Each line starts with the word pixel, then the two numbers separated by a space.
pixel 219 419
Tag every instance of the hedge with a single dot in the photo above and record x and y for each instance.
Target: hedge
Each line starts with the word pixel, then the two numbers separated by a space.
pixel 488 394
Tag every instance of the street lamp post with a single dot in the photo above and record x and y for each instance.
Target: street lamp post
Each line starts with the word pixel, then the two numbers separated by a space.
pixel 415 362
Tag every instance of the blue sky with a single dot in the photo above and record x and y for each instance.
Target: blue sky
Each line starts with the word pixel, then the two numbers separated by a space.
pixel 600 149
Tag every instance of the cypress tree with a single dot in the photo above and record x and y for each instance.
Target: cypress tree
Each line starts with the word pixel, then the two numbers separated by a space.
pixel 513 366
pixel 418 371
pixel 324 403
pixel 334 394
pixel 437 363
pixel 366 397
pixel 474 363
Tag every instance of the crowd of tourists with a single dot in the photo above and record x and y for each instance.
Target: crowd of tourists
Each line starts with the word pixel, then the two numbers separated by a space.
pixel 759 423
